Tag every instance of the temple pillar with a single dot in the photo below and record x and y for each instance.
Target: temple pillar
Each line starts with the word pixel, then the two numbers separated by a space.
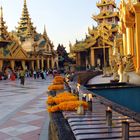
pixel 78 59
pixel 92 57
pixel 110 54
pixel 37 64
pixel 137 27
pixel 124 44
pixel 132 41
pixel 87 63
pixel 42 63
pixel 1 65
pixel 52 62
pixel 23 64
pixel 32 65
pixel 129 40
pixel 12 63
pixel 48 63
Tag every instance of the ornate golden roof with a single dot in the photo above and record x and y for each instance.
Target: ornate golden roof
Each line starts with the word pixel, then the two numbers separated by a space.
pixel 105 3
pixel 4 35
pixel 105 15
pixel 25 27
pixel 99 36
pixel 79 46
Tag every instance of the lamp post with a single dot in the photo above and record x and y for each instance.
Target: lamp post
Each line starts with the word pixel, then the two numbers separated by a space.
pixel 109 116
pixel 125 130
pixel 90 102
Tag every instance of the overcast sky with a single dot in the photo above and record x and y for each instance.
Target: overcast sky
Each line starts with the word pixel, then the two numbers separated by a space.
pixel 65 20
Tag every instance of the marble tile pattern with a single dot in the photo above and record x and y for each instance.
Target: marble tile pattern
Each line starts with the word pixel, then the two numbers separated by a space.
pixel 23 109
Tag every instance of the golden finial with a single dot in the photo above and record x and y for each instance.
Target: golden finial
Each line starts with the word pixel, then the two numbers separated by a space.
pixel 45 33
pixel 123 2
pixel 24 2
pixel 1 12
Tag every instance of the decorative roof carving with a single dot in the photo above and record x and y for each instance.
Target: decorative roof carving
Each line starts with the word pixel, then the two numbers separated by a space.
pixel 25 28
pixel 105 15
pixel 4 35
pixel 105 3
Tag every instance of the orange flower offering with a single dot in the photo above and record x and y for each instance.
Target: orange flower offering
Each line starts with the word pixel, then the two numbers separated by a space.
pixel 59 78
pixel 61 97
pixel 55 87
pixel 68 106
pixel 58 81
pixel 50 100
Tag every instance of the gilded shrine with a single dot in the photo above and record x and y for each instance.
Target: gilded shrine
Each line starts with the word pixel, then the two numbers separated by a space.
pixel 130 30
pixel 25 48
pixel 98 45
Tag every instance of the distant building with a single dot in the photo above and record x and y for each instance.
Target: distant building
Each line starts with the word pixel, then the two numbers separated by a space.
pixel 25 48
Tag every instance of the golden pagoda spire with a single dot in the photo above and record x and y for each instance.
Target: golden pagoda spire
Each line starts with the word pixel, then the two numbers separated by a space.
pixel 29 31
pixel 25 3
pixel 25 23
pixel 45 32
pixel 107 12
pixel 4 35
pixel 1 13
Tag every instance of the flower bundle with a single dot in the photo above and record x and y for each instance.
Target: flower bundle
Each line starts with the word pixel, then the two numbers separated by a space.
pixel 59 78
pixel 56 87
pixel 64 94
pixel 58 81
pixel 68 106
pixel 50 100
pixel 62 97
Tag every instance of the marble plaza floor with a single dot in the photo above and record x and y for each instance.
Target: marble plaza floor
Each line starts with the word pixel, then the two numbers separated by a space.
pixel 23 113
pixel 134 79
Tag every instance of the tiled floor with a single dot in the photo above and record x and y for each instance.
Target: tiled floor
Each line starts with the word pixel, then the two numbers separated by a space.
pixel 134 79
pixel 23 109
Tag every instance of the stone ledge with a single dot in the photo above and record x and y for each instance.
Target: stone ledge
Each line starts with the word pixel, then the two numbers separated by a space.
pixel 59 128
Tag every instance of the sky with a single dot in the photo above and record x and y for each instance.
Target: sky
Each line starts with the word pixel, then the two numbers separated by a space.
pixel 65 20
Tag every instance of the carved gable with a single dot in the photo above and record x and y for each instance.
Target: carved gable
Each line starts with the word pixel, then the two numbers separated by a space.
pixel 20 53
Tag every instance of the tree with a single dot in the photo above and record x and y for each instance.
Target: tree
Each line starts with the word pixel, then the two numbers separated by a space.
pixel 62 55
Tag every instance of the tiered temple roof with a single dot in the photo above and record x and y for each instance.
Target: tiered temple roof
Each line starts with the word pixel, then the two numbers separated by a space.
pixel 9 46
pixel 107 12
pixel 104 32
pixel 30 39
pixel 25 47
pixel 98 37
pixel 4 35
pixel 106 3
pixel 25 28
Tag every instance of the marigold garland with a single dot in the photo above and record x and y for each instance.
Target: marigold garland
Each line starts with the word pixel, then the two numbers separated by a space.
pixel 61 97
pixel 50 100
pixel 59 78
pixel 68 106
pixel 58 81
pixel 65 93
pixel 56 87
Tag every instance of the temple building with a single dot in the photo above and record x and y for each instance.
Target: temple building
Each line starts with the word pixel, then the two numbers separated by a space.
pixel 107 12
pixel 98 44
pixel 25 48
pixel 130 30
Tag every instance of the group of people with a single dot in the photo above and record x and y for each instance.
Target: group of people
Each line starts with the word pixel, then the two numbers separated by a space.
pixel 22 74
